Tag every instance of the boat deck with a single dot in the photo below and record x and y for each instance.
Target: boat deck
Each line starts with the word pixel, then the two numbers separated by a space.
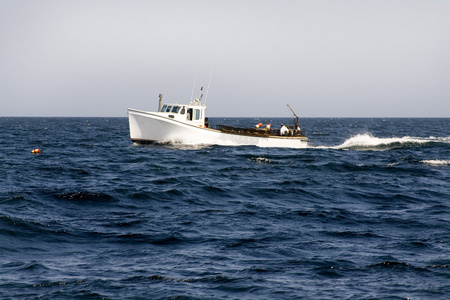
pixel 259 131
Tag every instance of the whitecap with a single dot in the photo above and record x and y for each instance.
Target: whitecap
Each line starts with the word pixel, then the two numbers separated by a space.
pixel 369 142
pixel 436 162
pixel 262 160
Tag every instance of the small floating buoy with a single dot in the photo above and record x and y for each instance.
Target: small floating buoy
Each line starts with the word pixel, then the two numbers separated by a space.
pixel 36 151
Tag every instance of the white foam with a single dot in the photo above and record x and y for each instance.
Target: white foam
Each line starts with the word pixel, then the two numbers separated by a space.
pixel 369 142
pixel 262 160
pixel 436 162
pixel 180 146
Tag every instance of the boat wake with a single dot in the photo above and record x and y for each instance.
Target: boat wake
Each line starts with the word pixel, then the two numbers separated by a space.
pixel 181 146
pixel 359 142
pixel 366 142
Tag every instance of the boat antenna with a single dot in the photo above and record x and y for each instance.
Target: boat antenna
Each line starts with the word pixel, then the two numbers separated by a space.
pixel 209 83
pixel 193 87
pixel 296 117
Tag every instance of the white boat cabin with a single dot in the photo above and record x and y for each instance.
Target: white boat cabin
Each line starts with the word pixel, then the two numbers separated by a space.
pixel 193 113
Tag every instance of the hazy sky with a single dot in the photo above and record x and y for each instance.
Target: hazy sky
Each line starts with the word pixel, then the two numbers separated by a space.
pixel 325 58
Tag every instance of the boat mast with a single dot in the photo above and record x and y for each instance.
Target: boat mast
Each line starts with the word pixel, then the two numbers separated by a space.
pixel 296 117
pixel 201 94
pixel 160 99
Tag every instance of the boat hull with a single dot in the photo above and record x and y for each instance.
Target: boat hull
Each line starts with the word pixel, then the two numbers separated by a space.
pixel 147 127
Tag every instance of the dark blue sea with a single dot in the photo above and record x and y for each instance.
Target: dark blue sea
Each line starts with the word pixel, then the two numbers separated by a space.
pixel 362 213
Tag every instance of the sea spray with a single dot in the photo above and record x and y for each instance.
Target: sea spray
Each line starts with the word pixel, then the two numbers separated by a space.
pixel 367 141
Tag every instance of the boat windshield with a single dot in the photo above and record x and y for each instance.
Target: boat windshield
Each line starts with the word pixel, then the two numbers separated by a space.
pixel 197 114
pixel 168 108
pixel 176 109
pixel 163 109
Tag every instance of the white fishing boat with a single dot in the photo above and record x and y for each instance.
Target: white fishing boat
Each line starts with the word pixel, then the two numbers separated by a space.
pixel 186 124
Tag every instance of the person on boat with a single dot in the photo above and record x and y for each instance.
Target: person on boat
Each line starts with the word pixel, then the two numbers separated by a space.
pixel 284 130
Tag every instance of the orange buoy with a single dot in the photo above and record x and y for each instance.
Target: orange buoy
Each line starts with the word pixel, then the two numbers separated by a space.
pixel 36 151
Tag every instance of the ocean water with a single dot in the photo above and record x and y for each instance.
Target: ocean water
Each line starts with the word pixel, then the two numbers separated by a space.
pixel 362 213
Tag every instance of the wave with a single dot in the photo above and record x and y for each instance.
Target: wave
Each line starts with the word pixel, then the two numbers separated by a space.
pixel 436 162
pixel 369 142
pixel 86 196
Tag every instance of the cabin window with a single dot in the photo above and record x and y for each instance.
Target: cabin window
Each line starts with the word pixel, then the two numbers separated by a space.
pixel 183 110
pixel 168 108
pixel 197 114
pixel 163 109
pixel 189 114
pixel 176 109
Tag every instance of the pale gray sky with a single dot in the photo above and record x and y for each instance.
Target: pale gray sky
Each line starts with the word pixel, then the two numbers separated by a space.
pixel 326 58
